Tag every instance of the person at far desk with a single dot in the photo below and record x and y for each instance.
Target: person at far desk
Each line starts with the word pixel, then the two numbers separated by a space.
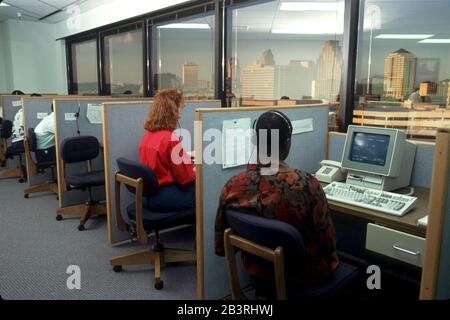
pixel 45 135
pixel 160 148
pixel 289 195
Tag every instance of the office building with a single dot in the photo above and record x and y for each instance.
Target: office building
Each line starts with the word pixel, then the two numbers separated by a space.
pixel 295 79
pixel 399 74
pixel 328 70
pixel 258 79
pixel 190 75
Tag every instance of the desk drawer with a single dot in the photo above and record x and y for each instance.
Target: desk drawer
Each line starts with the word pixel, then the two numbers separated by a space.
pixel 395 244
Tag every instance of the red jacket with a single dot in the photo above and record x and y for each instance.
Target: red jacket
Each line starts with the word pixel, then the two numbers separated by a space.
pixel 156 149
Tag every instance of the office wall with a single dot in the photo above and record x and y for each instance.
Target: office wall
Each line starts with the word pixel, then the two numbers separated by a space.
pixel 5 59
pixel 109 12
pixel 33 60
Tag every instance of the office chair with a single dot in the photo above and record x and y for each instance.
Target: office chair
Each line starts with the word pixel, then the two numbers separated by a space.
pixel 75 150
pixel 281 244
pixel 140 180
pixel 5 134
pixel 45 159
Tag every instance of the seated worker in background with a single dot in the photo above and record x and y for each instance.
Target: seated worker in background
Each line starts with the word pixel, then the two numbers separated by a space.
pixel 45 135
pixel 289 195
pixel 17 136
pixel 176 180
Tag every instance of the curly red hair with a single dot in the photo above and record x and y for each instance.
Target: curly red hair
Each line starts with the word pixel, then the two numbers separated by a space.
pixel 165 111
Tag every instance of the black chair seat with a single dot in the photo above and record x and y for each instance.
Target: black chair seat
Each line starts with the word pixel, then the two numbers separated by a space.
pixel 159 220
pixel 341 278
pixel 85 180
pixel 46 165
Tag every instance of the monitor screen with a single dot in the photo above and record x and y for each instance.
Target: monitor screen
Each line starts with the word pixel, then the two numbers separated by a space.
pixel 369 148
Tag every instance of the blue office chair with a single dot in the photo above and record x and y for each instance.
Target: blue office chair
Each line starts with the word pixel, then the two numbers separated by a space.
pixel 141 181
pixel 5 134
pixel 43 160
pixel 75 150
pixel 275 242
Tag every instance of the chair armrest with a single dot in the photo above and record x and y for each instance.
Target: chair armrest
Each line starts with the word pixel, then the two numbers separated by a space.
pixel 32 167
pixel 138 186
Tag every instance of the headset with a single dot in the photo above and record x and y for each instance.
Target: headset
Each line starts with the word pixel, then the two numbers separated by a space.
pixel 279 114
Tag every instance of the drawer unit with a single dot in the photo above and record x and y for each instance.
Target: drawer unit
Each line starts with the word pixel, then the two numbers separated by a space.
pixel 395 244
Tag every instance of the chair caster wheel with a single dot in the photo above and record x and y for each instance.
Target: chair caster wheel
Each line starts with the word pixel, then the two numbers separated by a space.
pixel 26 196
pixel 117 268
pixel 58 218
pixel 57 198
pixel 159 285
pixel 81 227
pixel 21 180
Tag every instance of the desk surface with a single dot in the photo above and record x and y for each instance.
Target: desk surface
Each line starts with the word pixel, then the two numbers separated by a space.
pixel 406 223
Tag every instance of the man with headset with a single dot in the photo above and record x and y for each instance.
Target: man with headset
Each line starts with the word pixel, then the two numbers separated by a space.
pixel 289 195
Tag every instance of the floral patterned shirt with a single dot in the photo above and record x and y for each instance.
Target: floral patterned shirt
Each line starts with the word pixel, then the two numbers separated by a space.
pixel 292 196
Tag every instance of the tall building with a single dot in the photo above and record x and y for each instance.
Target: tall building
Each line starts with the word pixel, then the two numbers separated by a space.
pixel 399 74
pixel 166 80
pixel 190 75
pixel 258 78
pixel 233 77
pixel 295 79
pixel 258 81
pixel 329 68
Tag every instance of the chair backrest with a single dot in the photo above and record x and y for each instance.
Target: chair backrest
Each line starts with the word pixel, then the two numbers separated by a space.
pixel 136 170
pixel 78 149
pixel 270 233
pixel 6 129
pixel 32 142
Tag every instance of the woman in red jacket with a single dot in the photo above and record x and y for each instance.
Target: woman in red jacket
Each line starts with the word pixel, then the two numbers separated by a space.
pixel 160 149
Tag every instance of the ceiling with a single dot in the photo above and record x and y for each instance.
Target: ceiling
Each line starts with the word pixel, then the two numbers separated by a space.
pixel 35 10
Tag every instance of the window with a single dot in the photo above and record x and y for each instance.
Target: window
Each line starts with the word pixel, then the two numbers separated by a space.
pixel 84 67
pixel 183 56
pixel 403 65
pixel 123 61
pixel 284 49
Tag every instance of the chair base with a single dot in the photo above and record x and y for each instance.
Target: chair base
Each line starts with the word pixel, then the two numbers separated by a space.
pixel 48 186
pixel 155 258
pixel 11 173
pixel 85 211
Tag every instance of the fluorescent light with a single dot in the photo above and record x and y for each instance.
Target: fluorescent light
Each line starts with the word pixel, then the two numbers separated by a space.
pixel 185 26
pixel 311 6
pixel 435 41
pixel 306 32
pixel 3 4
pixel 404 36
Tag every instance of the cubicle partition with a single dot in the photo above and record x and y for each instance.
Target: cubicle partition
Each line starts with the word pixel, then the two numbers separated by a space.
pixel 34 110
pixel 72 119
pixel 308 148
pixel 122 131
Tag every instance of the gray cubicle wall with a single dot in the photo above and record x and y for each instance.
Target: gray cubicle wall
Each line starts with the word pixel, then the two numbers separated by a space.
pixel 68 128
pixel 123 129
pixel 307 150
pixel 188 116
pixel 10 105
pixel 423 161
pixel 34 110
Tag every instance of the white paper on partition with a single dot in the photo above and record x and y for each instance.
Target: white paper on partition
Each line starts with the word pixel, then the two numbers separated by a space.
pixel 302 126
pixel 236 142
pixel 94 113
pixel 16 103
pixel 41 115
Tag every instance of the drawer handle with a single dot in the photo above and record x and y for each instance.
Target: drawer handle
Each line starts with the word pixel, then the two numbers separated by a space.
pixel 396 247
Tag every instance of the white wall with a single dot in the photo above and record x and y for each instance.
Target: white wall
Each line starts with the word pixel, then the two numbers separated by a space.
pixel 5 59
pixel 33 59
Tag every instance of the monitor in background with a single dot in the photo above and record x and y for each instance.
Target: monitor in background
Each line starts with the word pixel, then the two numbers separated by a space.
pixel 378 158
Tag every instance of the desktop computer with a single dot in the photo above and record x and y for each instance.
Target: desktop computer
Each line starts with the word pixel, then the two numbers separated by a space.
pixel 378 160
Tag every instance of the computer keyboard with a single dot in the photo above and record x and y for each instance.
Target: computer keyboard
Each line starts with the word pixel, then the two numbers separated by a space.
pixel 387 202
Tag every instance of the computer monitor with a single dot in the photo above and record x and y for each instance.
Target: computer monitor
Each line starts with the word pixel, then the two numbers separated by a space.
pixel 372 152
